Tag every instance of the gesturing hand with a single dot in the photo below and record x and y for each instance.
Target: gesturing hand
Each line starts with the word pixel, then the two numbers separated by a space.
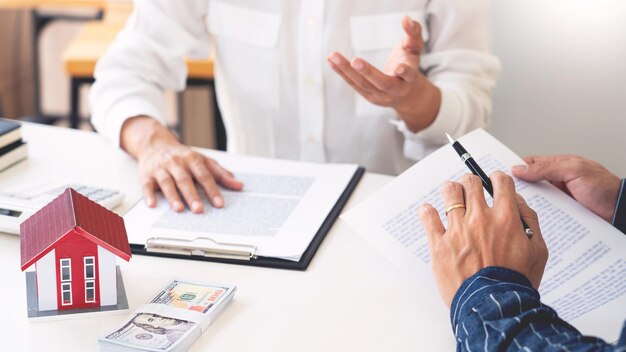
pixel 588 182
pixel 167 164
pixel 479 236
pixel 401 85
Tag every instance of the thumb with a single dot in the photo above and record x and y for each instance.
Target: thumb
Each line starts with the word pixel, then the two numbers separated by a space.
pixel 414 43
pixel 554 171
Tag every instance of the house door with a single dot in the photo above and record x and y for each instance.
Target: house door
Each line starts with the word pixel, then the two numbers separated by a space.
pixel 77 286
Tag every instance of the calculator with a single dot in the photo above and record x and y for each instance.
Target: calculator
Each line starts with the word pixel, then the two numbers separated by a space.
pixel 19 203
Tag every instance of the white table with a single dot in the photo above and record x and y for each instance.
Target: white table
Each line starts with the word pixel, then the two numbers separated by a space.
pixel 350 298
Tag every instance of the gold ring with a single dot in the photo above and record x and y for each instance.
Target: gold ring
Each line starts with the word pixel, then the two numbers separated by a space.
pixel 454 206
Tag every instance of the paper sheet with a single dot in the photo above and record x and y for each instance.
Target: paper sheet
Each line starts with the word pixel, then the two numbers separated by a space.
pixel 281 208
pixel 585 278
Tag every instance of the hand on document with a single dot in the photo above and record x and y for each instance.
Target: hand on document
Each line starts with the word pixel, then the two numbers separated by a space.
pixel 583 277
pixel 591 184
pixel 172 167
pixel 479 236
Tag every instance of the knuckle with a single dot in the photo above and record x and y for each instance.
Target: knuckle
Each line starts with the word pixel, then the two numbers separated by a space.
pixel 470 180
pixel 147 184
pixel 475 219
pixel 183 178
pixel 500 176
pixel 578 164
pixel 207 180
pixel 172 159
pixel 450 187
pixel 189 155
pixel 162 177
pixel 427 211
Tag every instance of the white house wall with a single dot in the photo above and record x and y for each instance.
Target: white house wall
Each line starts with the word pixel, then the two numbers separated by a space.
pixel 108 279
pixel 47 282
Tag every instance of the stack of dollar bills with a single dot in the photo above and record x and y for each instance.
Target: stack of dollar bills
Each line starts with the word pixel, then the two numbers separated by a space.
pixel 173 320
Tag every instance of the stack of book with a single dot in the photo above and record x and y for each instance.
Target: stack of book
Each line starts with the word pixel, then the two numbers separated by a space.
pixel 12 148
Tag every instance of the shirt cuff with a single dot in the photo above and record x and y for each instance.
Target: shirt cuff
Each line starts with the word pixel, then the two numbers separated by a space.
pixel 418 145
pixel 479 286
pixel 109 122
pixel 619 216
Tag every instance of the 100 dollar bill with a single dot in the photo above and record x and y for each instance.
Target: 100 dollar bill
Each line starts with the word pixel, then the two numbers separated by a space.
pixel 190 296
pixel 151 331
pixel 154 332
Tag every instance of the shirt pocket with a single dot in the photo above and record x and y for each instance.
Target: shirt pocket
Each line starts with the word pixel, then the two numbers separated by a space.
pixel 373 37
pixel 246 44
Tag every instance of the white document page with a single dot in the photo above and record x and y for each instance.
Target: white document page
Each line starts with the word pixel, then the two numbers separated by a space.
pixel 585 278
pixel 279 211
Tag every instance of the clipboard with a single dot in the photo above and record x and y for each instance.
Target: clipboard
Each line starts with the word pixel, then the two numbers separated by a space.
pixel 243 254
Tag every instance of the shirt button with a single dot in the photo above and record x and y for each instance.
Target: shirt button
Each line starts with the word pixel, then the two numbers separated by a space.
pixel 309 81
pixel 312 139
pixel 310 20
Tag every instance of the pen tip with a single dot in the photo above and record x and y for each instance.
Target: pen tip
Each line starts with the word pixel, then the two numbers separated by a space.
pixel 452 140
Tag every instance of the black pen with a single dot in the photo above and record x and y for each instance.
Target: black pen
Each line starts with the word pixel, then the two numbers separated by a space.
pixel 476 170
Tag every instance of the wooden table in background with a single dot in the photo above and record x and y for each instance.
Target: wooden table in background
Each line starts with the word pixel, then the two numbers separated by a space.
pixel 89 46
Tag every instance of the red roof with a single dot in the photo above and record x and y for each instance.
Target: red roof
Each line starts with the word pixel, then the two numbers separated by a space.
pixel 72 211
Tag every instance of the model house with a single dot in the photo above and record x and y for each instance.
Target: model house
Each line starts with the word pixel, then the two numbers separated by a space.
pixel 73 243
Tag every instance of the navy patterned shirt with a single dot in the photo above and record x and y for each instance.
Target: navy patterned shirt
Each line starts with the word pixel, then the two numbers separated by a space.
pixel 497 309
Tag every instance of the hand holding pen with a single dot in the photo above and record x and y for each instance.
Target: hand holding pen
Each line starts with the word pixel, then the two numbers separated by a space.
pixel 478 235
pixel 476 170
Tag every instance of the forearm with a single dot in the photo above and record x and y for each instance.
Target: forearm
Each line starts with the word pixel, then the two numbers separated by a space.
pixel 146 59
pixel 497 309
pixel 142 133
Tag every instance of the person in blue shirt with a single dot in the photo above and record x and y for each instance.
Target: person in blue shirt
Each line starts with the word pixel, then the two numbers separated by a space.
pixel 491 285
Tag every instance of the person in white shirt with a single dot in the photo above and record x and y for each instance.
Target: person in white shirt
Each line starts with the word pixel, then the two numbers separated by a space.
pixel 286 88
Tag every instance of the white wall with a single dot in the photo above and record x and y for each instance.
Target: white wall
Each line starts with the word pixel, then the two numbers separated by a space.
pixel 47 282
pixel 563 84
pixel 107 277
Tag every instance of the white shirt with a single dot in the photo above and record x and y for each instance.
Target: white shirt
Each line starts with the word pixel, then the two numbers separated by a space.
pixel 277 94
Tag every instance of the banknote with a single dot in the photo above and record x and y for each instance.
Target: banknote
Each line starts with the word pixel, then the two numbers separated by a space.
pixel 158 333
pixel 189 296
pixel 151 331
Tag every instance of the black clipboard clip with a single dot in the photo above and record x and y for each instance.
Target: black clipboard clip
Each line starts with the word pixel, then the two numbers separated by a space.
pixel 201 246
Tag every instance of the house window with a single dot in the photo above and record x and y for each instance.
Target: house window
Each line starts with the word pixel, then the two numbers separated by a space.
pixel 90 272
pixel 66 272
pixel 66 293
pixel 90 291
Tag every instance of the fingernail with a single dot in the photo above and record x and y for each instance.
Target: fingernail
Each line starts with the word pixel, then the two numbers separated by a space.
pixel 150 202
pixel 335 59
pixel 218 201
pixel 178 206
pixel 520 168
pixel 196 207
pixel 357 65
pixel 400 70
